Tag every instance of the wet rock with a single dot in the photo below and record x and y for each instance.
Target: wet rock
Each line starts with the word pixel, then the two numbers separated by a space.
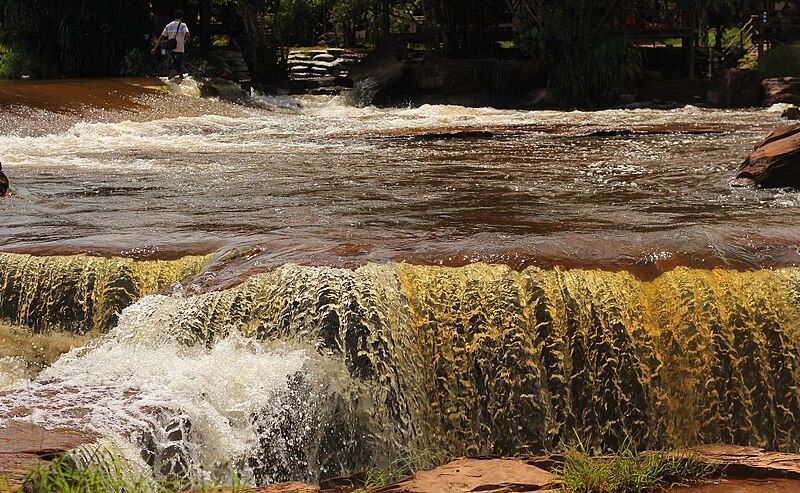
pixel 469 475
pixel 775 162
pixel 750 462
pixel 374 76
pixel 781 90
pixel 735 88
pixel 791 113
pixel 25 445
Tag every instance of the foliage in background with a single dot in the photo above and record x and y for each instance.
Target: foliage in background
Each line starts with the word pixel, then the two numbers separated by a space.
pixel 12 64
pixel 586 60
pixel 628 471
pixel 780 61
pixel 74 38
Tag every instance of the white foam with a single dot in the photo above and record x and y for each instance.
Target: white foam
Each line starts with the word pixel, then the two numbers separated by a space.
pixel 137 380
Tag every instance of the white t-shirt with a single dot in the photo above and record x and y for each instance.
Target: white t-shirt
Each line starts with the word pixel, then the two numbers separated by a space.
pixel 181 30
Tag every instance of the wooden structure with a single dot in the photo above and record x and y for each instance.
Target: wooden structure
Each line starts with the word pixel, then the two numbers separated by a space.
pixel 658 21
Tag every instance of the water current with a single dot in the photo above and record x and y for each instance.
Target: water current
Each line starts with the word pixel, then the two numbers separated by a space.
pixel 296 287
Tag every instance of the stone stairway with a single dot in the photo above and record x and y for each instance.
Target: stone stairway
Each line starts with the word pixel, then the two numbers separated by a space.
pixel 321 70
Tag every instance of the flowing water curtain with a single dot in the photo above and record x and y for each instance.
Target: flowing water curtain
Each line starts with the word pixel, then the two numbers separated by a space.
pixel 484 359
pixel 77 38
pixel 81 293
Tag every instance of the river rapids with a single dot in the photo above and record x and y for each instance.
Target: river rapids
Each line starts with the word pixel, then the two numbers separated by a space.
pixel 295 288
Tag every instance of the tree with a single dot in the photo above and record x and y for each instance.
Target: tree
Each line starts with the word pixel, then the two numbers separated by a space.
pixel 585 58
pixel 76 38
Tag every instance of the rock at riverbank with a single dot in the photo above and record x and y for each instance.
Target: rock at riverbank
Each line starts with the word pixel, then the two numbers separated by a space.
pixel 775 162
pixel 24 446
pixel 487 475
pixel 735 88
pixel 750 462
pixel 781 90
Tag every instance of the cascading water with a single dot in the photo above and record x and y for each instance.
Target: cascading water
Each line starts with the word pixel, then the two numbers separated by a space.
pixel 305 372
pixel 81 293
pixel 628 291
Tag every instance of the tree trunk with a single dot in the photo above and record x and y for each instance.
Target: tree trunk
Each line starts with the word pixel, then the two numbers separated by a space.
pixel 259 46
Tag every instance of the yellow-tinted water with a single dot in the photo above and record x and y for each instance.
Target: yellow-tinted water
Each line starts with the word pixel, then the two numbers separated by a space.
pixel 485 359
pixel 81 293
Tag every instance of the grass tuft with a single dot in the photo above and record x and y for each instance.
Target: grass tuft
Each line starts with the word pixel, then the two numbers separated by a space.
pixel 406 465
pixel 628 471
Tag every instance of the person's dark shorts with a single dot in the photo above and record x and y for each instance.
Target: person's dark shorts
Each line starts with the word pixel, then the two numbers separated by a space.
pixel 177 61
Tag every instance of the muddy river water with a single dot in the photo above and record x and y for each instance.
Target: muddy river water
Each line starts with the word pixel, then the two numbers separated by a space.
pixel 295 287
pixel 125 168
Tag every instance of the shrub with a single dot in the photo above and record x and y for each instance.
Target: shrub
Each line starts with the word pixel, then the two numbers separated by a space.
pixel 780 61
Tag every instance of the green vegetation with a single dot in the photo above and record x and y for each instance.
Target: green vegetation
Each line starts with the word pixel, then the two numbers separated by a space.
pixel 628 471
pixel 585 59
pixel 780 61
pixel 404 466
pixel 101 471
pixel 71 39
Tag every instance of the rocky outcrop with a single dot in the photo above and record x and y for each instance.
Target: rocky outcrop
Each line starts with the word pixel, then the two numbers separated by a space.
pixel 791 113
pixel 321 67
pixel 24 446
pixel 374 77
pixel 473 475
pixel 781 90
pixel 750 462
pixel 775 161
pixel 735 88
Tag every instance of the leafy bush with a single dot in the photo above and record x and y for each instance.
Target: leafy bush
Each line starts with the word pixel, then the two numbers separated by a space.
pixel 12 64
pixel 780 61
pixel 76 38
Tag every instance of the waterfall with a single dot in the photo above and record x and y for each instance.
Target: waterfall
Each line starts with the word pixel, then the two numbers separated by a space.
pixel 480 359
pixel 81 293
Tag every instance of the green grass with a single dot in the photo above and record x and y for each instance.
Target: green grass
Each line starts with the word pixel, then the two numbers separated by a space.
pixel 628 471
pixel 100 471
pixel 780 61
pixel 402 467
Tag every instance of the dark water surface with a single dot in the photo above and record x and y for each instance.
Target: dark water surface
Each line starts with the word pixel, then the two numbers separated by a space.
pixel 130 168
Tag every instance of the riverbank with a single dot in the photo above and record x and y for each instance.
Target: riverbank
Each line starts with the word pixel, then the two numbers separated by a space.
pixel 26 452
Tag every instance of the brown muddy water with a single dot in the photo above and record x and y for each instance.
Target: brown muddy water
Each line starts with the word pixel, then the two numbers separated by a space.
pixel 295 287
pixel 118 167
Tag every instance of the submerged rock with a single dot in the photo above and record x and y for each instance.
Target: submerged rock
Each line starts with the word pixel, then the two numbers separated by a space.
pixel 465 475
pixel 781 90
pixel 791 113
pixel 775 162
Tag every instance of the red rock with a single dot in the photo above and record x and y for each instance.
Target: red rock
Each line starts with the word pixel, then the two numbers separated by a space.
pixel 735 88
pixel 473 475
pixel 750 462
pixel 24 446
pixel 775 161
pixel 781 90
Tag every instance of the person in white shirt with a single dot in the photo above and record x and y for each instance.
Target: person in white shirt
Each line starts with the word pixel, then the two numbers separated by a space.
pixel 174 39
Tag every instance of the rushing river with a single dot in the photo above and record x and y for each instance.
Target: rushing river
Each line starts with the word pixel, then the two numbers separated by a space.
pixel 300 287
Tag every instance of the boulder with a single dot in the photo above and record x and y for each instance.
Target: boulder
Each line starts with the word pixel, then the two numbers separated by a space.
pixel 750 462
pixel 791 113
pixel 472 475
pixel 375 75
pixel 775 161
pixel 781 90
pixel 735 88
